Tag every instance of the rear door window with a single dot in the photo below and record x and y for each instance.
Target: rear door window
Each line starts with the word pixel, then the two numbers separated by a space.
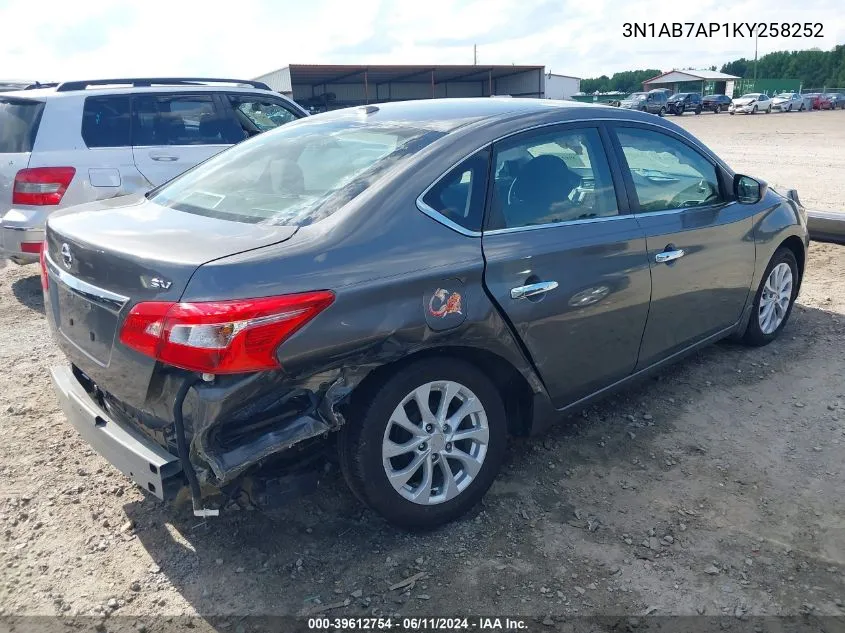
pixel 19 121
pixel 160 120
pixel 106 121
pixel 256 114
pixel 547 177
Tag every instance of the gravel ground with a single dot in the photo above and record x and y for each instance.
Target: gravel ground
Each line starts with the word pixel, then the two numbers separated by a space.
pixel 715 487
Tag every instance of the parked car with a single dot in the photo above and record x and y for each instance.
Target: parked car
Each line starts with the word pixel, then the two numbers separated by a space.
pixel 820 101
pixel 751 103
pixel 684 102
pixel 653 101
pixel 789 101
pixel 715 103
pixel 91 140
pixel 334 275
pixel 836 99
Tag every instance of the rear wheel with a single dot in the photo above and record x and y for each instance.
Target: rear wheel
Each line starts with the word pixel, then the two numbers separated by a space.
pixel 801 108
pixel 717 109
pixel 663 111
pixel 428 445
pixel 774 299
pixel 789 109
pixel 698 110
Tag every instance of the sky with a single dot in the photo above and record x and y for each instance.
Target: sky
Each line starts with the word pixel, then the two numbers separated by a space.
pixel 56 40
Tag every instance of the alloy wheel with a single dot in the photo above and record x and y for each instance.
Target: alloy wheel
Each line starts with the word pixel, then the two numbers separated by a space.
pixel 774 302
pixel 435 442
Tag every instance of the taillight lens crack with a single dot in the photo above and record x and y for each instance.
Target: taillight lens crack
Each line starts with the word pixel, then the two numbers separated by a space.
pixel 220 337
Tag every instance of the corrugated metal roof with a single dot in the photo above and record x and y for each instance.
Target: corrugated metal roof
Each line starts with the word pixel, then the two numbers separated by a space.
pixel 317 74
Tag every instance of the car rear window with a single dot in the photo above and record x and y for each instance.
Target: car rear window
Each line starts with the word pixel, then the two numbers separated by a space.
pixel 296 174
pixel 19 120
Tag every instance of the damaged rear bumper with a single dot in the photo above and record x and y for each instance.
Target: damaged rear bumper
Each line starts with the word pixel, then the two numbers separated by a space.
pixel 149 465
pixel 225 441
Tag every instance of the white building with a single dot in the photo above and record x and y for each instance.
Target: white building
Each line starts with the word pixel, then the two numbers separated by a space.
pixel 561 86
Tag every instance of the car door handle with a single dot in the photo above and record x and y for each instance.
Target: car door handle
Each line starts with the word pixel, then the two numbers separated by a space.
pixel 531 290
pixel 166 158
pixel 669 256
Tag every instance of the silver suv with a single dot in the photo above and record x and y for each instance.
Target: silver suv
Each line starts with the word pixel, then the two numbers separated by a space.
pixel 82 141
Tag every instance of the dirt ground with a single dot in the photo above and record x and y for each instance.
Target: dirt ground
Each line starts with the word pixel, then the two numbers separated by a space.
pixel 715 487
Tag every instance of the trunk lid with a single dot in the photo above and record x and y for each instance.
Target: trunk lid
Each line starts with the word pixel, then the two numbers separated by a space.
pixel 19 121
pixel 106 256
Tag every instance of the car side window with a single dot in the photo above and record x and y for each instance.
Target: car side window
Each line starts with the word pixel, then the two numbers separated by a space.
pixel 177 120
pixel 667 173
pixel 549 177
pixel 255 115
pixel 459 195
pixel 106 122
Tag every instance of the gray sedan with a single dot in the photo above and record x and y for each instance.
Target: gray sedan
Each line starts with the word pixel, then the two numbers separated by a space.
pixel 408 283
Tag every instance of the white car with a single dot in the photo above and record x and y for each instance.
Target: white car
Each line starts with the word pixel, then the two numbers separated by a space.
pixel 790 102
pixel 89 140
pixel 752 103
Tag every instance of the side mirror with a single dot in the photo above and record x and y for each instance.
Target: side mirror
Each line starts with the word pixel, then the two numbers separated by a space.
pixel 747 190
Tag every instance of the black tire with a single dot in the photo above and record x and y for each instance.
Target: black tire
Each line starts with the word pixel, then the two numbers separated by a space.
pixel 698 110
pixel 754 335
pixel 717 109
pixel 360 444
pixel 663 111
pixel 754 110
pixel 801 108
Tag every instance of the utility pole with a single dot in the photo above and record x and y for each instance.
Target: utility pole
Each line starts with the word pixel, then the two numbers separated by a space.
pixel 475 54
pixel 755 60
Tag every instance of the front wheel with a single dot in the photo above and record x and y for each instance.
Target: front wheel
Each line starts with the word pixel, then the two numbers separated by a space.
pixel 754 110
pixel 663 111
pixel 717 109
pixel 774 299
pixel 698 110
pixel 789 109
pixel 427 444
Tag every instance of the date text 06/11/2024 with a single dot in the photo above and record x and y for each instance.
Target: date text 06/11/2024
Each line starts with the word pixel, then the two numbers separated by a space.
pixel 725 29
pixel 413 624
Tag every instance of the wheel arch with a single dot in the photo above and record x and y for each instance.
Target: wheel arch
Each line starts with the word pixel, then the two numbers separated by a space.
pixel 517 395
pixel 794 243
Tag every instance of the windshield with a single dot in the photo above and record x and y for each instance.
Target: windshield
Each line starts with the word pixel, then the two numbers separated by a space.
pixel 294 175
pixel 19 120
pixel 750 96
pixel 785 95
pixel 679 95
pixel 638 96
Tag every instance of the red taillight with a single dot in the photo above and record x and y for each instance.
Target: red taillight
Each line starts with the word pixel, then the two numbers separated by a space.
pixel 45 279
pixel 42 185
pixel 220 337
pixel 31 247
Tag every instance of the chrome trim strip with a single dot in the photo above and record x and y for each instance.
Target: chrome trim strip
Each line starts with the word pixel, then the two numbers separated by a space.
pixel 111 301
pixel 439 217
pixel 442 219
pixel 534 227
pixel 23 228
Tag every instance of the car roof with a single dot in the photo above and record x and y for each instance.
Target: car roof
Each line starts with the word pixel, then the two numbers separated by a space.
pixel 52 93
pixel 448 114
pixel 479 113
